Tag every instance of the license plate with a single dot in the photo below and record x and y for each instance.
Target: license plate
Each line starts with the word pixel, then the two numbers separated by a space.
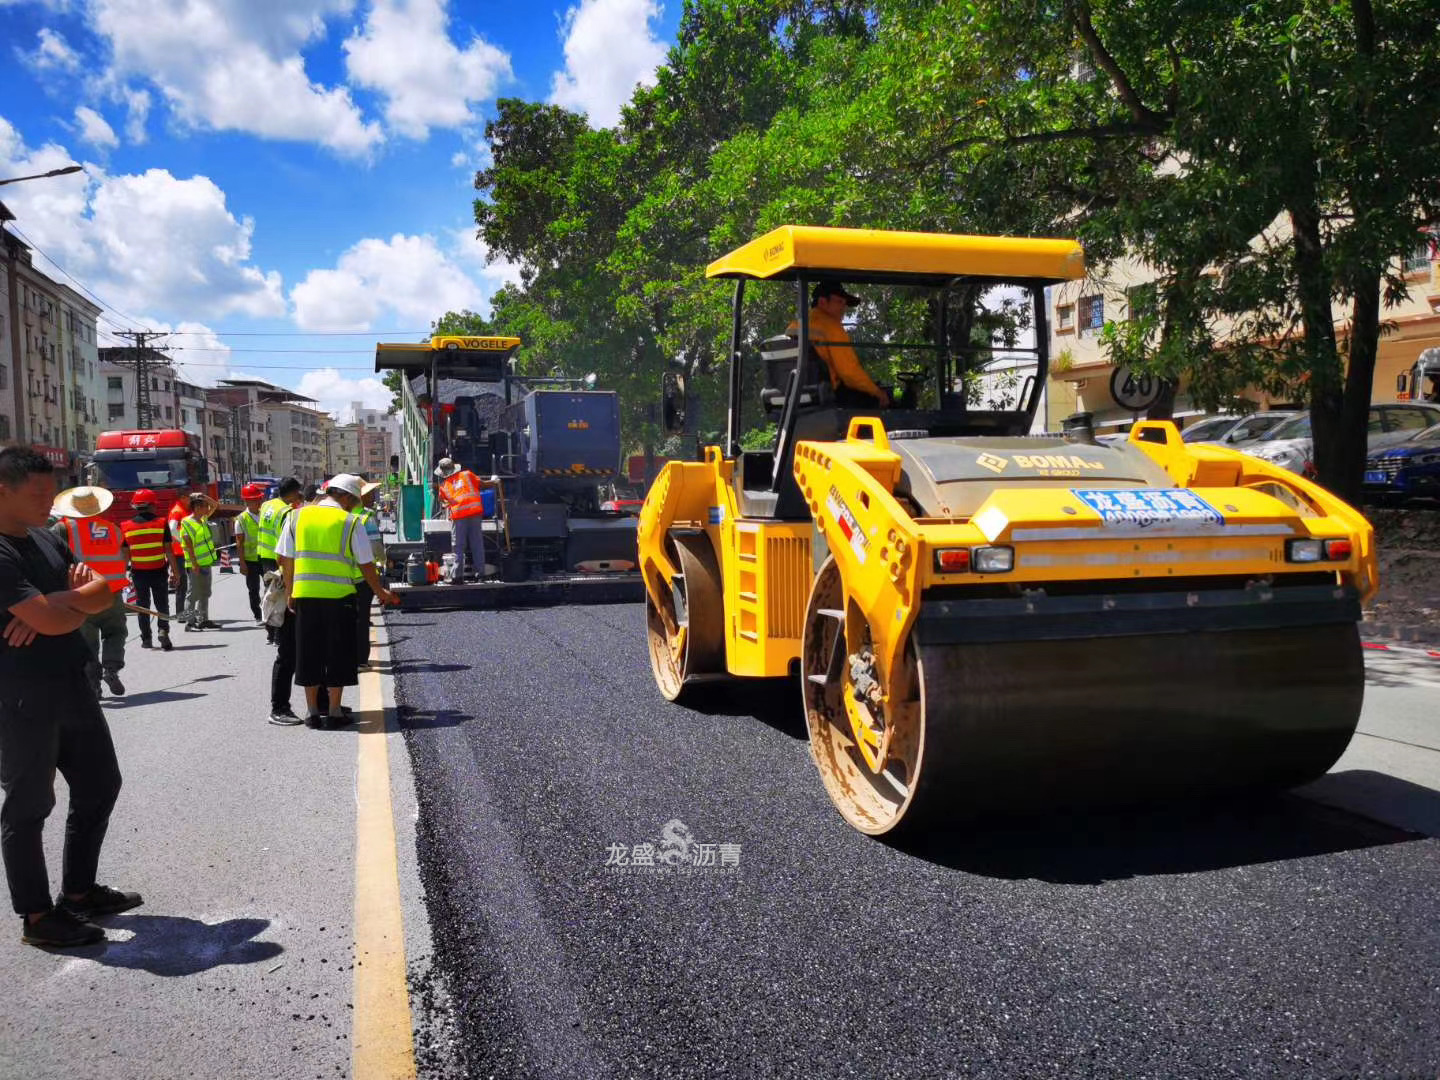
pixel 1374 476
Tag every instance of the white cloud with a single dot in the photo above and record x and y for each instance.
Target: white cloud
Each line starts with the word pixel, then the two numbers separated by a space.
pixel 94 129
pixel 610 48
pixel 334 393
pixel 409 278
pixel 137 112
pixel 470 251
pixel 147 242
pixel 236 65
pixel 404 52
pixel 52 53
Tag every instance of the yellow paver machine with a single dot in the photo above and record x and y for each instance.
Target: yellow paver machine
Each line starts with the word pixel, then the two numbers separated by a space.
pixel 985 621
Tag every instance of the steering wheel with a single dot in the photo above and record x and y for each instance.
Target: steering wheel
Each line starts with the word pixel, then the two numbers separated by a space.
pixel 910 382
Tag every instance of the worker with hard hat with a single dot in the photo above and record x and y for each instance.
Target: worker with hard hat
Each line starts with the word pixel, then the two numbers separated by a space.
pixel 460 490
pixel 247 544
pixel 200 558
pixel 153 568
pixel 319 549
pixel 363 596
pixel 179 511
pixel 99 544
pixel 272 514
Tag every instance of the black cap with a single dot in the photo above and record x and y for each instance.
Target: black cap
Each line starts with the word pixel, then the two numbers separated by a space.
pixel 831 287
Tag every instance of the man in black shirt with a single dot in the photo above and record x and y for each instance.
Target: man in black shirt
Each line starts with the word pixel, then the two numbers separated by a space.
pixel 50 718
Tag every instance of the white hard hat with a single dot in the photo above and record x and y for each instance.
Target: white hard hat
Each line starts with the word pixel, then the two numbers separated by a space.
pixel 347 482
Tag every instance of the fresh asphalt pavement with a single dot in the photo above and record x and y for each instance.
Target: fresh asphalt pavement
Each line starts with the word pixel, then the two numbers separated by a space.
pixel 241 837
pixel 1293 937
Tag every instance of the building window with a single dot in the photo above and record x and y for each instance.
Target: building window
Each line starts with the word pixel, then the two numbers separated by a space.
pixel 4 429
pixel 169 413
pixel 1418 260
pixel 1091 314
pixel 1065 317
pixel 154 383
pixel 117 411
pixel 4 376
pixel 114 382
pixel 1140 300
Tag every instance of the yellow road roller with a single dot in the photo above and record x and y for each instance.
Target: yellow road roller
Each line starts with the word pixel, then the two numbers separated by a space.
pixel 985 621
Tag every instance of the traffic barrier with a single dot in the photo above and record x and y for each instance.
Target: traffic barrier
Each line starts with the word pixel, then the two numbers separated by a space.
pixel 225 567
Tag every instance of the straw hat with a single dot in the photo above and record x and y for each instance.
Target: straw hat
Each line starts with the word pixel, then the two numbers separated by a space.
pixel 447 468
pixel 368 487
pixel 82 502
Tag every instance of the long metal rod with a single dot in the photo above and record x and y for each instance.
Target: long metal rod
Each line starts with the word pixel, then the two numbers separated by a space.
pixel 786 433
pixel 733 418
pixel 1042 352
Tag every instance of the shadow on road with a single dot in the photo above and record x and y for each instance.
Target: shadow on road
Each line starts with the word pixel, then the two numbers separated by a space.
pixel 774 702
pixel 427 667
pixel 172 945
pixel 165 693
pixel 191 648
pixel 1381 797
pixel 1093 848
pixel 412 719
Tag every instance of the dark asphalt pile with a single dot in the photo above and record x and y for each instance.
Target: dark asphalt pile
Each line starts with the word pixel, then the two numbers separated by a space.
pixel 1276 939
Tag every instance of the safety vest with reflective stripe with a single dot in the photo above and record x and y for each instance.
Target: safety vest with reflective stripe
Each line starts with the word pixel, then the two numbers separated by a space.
pixel 198 533
pixel 251 532
pixel 324 564
pixel 272 512
pixel 146 541
pixel 364 516
pixel 461 493
pixel 172 522
pixel 96 542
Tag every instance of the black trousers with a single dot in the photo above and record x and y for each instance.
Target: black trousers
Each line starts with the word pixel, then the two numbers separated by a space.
pixel 181 590
pixel 50 724
pixel 364 596
pixel 152 590
pixel 282 672
pixel 252 585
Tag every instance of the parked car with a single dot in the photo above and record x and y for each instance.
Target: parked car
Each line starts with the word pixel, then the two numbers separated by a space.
pixel 1289 444
pixel 1406 470
pixel 1232 430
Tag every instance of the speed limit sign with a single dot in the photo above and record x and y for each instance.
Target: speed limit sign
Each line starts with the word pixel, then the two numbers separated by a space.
pixel 1134 389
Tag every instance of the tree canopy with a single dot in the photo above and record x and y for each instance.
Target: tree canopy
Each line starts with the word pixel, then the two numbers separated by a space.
pixel 1267 159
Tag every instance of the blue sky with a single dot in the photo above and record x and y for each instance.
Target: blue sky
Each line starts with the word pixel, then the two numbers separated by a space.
pixel 300 166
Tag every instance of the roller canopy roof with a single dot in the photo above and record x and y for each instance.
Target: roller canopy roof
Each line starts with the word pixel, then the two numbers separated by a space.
pixel 877 255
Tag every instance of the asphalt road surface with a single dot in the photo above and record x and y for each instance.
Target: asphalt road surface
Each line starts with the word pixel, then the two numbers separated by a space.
pixel 1296 937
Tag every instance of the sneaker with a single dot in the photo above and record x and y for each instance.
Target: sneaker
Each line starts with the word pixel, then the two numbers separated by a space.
pixel 285 717
pixel 208 625
pixel 60 929
pixel 112 680
pixel 100 900
pixel 315 721
pixel 165 643
pixel 146 644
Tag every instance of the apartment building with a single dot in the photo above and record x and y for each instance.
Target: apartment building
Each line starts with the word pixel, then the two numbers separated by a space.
pixel 342 449
pixel 1080 373
pixel 288 435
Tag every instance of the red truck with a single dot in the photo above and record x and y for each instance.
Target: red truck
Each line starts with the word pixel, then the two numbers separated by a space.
pixel 169 463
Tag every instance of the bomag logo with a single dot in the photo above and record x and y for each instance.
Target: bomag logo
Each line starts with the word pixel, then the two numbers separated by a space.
pixel 578 425
pixel 1056 461
pixel 774 251
pixel 991 462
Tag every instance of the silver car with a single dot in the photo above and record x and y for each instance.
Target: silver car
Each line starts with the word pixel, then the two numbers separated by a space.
pixel 1231 430
pixel 1290 445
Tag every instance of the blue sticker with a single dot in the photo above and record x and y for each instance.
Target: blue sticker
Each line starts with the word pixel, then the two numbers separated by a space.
pixel 717 515
pixel 1157 509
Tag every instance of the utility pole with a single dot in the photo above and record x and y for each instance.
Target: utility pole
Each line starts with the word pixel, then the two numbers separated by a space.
pixel 139 358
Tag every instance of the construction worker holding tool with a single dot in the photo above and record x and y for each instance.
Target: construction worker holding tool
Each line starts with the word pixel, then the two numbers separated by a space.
pixel 200 557
pixel 152 564
pixel 320 548
pixel 247 544
pixel 460 491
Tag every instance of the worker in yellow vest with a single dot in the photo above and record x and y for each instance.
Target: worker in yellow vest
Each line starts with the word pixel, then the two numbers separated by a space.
pixel 366 513
pixel 152 565
pixel 200 558
pixel 320 548
pixel 247 545
pixel 272 515
pixel 99 544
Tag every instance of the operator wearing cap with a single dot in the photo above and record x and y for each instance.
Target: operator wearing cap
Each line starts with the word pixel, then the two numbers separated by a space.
pixel 853 387
pixel 99 544
pixel 247 544
pixel 152 565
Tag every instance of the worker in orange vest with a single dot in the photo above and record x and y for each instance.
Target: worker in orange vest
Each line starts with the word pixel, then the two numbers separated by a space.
pixel 178 513
pixel 100 545
pixel 153 568
pixel 460 490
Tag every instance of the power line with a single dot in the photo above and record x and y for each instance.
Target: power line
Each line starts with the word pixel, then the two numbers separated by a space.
pixel 80 284
pixel 300 333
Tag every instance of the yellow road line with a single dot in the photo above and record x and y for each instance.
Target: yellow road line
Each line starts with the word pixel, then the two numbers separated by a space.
pixel 382 1041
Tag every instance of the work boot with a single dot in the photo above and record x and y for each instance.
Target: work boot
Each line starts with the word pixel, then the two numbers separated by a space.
pixel 112 680
pixel 99 900
pixel 165 643
pixel 60 929
pixel 145 643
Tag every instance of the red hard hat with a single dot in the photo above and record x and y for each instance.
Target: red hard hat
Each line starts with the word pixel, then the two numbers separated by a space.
pixel 143 497
pixel 252 491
